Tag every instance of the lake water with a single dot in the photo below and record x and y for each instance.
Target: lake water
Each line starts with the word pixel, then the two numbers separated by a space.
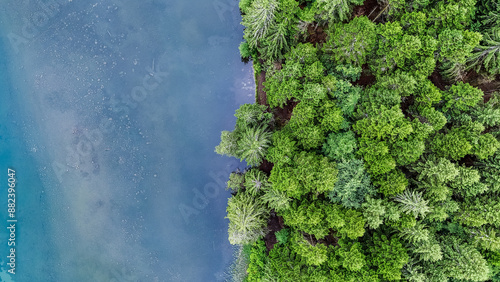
pixel 109 114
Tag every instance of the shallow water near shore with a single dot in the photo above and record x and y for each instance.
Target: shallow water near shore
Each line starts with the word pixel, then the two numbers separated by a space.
pixel 110 114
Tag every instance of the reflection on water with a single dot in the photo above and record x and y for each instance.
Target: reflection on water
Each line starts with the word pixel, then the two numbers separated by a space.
pixel 113 112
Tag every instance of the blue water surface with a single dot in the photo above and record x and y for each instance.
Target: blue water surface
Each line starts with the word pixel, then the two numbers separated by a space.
pixel 109 115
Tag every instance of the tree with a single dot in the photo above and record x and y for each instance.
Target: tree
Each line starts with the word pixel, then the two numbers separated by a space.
pixel 351 254
pixel 387 255
pixel 256 181
pixel 252 115
pixel 259 18
pixel 462 261
pixel 350 43
pixel 487 54
pixel 413 203
pixel 479 211
pixel 340 146
pixel 352 185
pixel 335 10
pixel 429 250
pixel 373 212
pixel 416 234
pixel 228 144
pixel 277 200
pixel 461 97
pixel 313 253
pixel 283 148
pixel 236 181
pixel 253 145
pixel 456 46
pixel 391 183
pixel 247 219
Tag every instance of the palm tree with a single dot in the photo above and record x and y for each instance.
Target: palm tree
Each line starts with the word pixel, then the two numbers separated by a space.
pixel 247 219
pixel 253 144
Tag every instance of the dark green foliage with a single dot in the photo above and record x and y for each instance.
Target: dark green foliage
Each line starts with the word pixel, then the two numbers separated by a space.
pixel 282 235
pixel 283 148
pixel 490 172
pixel 335 11
pixel 352 185
pixel 350 43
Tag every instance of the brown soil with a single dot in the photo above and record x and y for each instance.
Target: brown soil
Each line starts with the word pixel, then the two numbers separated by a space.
pixel 316 34
pixel 261 95
pixel 479 81
pixel 366 77
pixel 274 224
pixel 370 8
pixel 438 80
pixel 266 166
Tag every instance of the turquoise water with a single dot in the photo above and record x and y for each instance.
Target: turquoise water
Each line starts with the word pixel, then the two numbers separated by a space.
pixel 110 113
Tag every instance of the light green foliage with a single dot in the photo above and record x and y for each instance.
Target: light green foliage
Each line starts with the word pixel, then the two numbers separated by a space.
pixel 350 43
pixel 485 146
pixel 402 83
pixel 277 200
pixel 228 144
pixel 257 261
pixel 259 18
pixel 314 217
pixel 413 203
pixel 388 256
pixel 485 238
pixel 412 272
pixel 315 173
pixel 283 148
pixel 236 181
pixel 488 53
pixel 389 124
pixel 416 234
pixel 479 211
pixel 256 181
pixel 488 113
pixel 433 117
pixel 391 183
pixel 376 156
pixel 427 94
pixel 442 210
pixel 351 254
pixel 347 72
pixel 428 250
pixel 245 5
pixel 490 172
pixel 456 45
pixel 247 219
pixel 454 145
pixel 354 225
pixel 462 261
pixel 414 23
pixel 253 145
pixel 252 115
pixel 304 246
pixel 352 185
pixel 310 124
pixel 373 212
pixel 467 182
pixel 340 146
pixel 455 14
pixel 461 97
pixel 409 150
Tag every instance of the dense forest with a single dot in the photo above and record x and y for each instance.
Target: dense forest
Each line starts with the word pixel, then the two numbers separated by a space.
pixel 373 147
